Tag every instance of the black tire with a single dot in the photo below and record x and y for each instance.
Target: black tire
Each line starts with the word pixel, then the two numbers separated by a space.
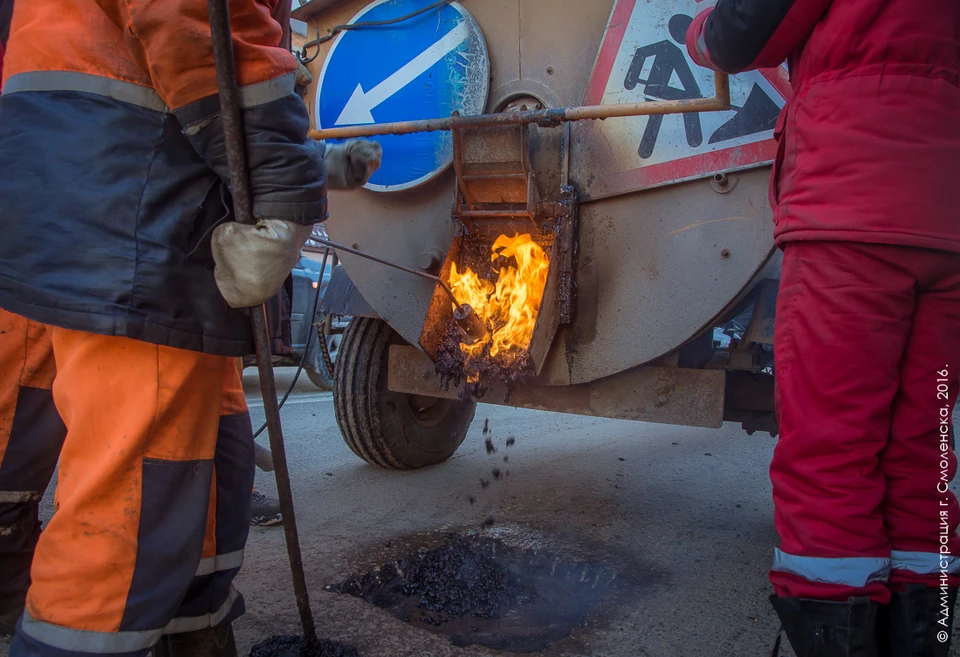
pixel 318 373
pixel 391 429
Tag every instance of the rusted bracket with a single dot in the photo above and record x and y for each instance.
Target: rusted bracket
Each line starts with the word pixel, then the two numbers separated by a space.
pixel 566 253
pixel 544 118
pixel 495 178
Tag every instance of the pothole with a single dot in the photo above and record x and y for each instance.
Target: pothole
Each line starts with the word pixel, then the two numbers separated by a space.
pixel 294 646
pixel 476 589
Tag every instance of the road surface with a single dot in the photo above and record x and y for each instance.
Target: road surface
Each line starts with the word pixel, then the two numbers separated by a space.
pixel 681 516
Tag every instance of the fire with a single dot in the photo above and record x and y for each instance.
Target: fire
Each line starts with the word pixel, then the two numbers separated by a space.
pixel 510 306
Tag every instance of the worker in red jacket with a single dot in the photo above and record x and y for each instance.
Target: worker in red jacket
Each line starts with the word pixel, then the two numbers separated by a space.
pixel 122 283
pixel 867 342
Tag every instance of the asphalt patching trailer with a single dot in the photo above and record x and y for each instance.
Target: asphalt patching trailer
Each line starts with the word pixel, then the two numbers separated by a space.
pixel 565 168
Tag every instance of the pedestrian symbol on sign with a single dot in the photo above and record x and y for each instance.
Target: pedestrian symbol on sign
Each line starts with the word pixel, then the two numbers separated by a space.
pixel 668 62
pixel 643 58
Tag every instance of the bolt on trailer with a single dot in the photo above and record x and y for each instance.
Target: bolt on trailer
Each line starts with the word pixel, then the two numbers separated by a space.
pixel 566 170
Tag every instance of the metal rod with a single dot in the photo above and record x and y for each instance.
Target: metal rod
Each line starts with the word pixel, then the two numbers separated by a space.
pixel 415 272
pixel 243 213
pixel 546 117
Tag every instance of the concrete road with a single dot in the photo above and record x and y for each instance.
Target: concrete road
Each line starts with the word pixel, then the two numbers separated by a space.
pixel 682 516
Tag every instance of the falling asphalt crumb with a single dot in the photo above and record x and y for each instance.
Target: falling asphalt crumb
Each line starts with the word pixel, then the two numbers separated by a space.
pixel 506 458
pixel 496 473
pixel 674 443
pixel 620 458
pixel 484 483
pixel 486 426
pixel 329 474
pixel 510 441
pixel 488 443
pixel 489 522
pixel 707 454
pixel 295 646
pixel 471 499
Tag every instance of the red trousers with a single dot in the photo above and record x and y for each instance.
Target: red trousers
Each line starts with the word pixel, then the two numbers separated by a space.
pixel 867 355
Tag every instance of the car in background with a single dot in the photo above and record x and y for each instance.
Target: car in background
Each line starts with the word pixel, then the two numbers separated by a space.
pixel 304 318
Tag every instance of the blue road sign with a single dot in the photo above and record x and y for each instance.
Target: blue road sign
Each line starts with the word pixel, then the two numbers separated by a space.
pixel 426 67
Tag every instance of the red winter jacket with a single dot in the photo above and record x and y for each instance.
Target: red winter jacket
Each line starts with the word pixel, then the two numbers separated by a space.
pixel 869 143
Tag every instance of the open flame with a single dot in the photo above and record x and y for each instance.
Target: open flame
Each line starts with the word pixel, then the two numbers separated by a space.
pixel 509 307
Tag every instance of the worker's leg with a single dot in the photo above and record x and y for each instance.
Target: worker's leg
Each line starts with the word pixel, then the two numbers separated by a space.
pixel 211 596
pixel 844 312
pixel 136 470
pixel 31 435
pixel 920 511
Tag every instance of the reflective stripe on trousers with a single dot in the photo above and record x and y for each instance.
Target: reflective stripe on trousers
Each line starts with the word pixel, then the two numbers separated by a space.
pixel 860 571
pixel 925 563
pixel 87 641
pixel 848 571
pixel 220 563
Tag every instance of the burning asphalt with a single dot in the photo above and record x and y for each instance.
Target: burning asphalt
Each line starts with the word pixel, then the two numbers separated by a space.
pixel 507 298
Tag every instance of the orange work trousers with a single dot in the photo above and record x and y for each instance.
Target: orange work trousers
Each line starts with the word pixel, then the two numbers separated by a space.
pixel 31 435
pixel 153 499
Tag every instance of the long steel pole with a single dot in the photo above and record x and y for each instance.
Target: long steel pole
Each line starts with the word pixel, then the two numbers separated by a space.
pixel 243 212
pixel 547 117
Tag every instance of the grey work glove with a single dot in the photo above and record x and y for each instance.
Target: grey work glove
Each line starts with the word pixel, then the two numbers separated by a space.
pixel 350 164
pixel 252 262
pixel 303 79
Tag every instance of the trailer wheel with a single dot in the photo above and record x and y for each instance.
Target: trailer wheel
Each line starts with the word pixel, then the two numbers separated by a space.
pixel 391 429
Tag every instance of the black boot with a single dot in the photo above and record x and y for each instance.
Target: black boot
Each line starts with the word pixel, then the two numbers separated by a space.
pixel 211 642
pixel 829 629
pixel 8 620
pixel 917 623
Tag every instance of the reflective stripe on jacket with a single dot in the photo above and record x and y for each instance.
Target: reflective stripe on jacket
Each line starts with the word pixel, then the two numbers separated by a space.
pixel 113 167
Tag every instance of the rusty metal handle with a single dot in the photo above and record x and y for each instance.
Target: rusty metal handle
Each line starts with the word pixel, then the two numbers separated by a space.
pixel 243 212
pixel 548 117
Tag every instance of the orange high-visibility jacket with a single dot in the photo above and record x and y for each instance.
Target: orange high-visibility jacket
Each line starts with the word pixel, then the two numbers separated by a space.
pixel 113 170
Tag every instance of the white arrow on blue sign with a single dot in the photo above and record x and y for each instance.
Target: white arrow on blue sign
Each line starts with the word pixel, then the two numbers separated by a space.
pixel 425 67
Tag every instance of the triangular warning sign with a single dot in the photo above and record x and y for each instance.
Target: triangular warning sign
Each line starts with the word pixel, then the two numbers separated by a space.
pixel 643 57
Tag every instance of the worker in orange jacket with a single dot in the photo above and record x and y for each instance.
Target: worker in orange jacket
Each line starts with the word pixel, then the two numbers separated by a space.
pixel 119 264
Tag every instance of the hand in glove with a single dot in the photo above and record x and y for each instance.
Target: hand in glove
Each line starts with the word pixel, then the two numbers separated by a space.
pixel 303 79
pixel 252 262
pixel 350 164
